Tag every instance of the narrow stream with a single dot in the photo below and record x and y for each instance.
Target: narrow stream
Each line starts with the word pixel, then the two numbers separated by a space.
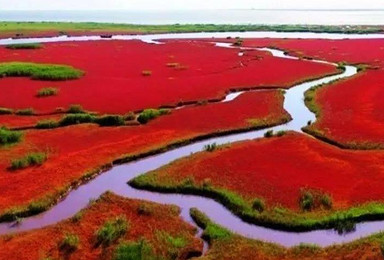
pixel 116 178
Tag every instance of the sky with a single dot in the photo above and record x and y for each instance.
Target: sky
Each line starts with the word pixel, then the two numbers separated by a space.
pixel 186 4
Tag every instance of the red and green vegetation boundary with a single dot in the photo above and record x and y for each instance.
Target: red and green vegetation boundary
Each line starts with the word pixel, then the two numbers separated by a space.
pixel 47 29
pixel 291 182
pixel 227 246
pixel 349 112
pixel 176 68
pixel 111 227
pixel 70 162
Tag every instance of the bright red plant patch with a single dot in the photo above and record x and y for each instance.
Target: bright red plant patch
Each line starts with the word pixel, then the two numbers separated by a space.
pixel 157 220
pixel 350 111
pixel 277 168
pixel 114 82
pixel 73 151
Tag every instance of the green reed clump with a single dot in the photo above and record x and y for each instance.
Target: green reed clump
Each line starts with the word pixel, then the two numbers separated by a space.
pixel 51 72
pixel 150 114
pixel 5 111
pixel 47 124
pixel 8 136
pixel 69 243
pixel 24 46
pixel 111 231
pixel 31 159
pixel 25 112
pixel 76 109
pixel 110 120
pixel 74 119
pixel 46 92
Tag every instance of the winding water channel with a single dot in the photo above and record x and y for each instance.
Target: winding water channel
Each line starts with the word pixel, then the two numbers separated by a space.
pixel 116 178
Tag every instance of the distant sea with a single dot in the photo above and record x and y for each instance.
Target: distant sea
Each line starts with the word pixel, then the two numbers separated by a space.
pixel 246 16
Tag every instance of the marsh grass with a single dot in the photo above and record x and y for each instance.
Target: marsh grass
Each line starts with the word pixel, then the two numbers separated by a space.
pixel 150 114
pixel 74 119
pixel 50 72
pixel 62 28
pixel 268 134
pixel 25 112
pixel 280 133
pixel 311 199
pixel 111 231
pixel 277 217
pixel 140 250
pixel 46 92
pixel 5 111
pixel 47 124
pixel 110 120
pixel 212 231
pixel 84 118
pixel 210 147
pixel 31 159
pixel 75 109
pixel 69 243
pixel 24 46
pixel 306 201
pixel 258 204
pixel 8 136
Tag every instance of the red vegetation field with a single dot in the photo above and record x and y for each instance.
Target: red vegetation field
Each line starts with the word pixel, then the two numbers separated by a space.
pixel 353 51
pixel 237 247
pixel 351 111
pixel 158 222
pixel 73 151
pixel 15 121
pixel 184 70
pixel 278 168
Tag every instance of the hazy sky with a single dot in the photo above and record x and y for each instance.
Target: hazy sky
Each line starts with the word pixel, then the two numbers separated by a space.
pixel 184 4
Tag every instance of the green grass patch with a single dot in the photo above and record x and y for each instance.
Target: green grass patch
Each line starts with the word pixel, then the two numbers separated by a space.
pixel 63 27
pixel 174 242
pixel 51 72
pixel 69 243
pixel 111 231
pixel 46 92
pixel 47 124
pixel 31 159
pixel 75 109
pixel 110 120
pixel 74 119
pixel 258 204
pixel 83 118
pixel 268 134
pixel 5 111
pixel 25 112
pixel 9 137
pixel 319 216
pixel 140 250
pixel 306 201
pixel 150 114
pixel 212 231
pixel 210 147
pixel 24 46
